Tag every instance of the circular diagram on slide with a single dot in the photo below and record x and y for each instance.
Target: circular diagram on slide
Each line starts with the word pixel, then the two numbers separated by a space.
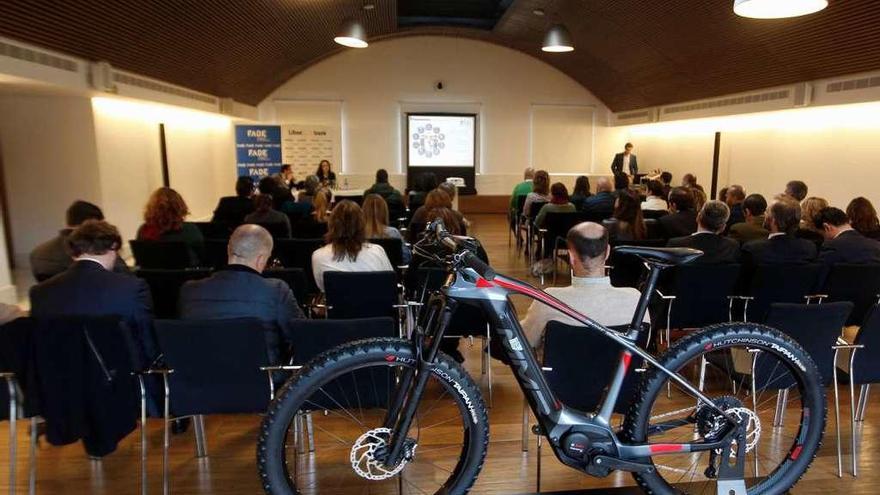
pixel 428 140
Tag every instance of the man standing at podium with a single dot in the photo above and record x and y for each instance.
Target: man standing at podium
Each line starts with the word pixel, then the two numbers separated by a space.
pixel 625 161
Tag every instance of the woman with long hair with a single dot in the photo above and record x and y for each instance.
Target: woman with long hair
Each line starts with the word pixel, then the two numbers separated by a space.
pixel 376 224
pixel 807 229
pixel 863 217
pixel 265 214
pixel 325 174
pixel 164 218
pixel 581 191
pixel 627 223
pixel 540 190
pixel 435 199
pixel 559 203
pixel 347 249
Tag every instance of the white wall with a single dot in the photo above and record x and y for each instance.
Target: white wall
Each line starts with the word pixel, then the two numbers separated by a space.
pixel 833 149
pixel 377 84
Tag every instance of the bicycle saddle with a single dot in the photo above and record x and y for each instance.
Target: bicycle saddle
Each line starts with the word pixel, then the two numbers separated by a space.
pixel 666 256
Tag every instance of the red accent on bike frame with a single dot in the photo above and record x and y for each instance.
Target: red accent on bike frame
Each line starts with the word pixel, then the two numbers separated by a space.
pixel 796 452
pixel 537 294
pixel 482 283
pixel 627 357
pixel 660 448
pixel 390 358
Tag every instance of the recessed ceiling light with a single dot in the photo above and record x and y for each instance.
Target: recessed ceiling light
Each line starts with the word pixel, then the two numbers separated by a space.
pixel 352 34
pixel 777 9
pixel 558 40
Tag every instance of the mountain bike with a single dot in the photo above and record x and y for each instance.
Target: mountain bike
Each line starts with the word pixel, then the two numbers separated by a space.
pixel 387 415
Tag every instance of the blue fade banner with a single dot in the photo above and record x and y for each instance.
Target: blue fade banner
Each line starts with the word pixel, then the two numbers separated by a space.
pixel 258 150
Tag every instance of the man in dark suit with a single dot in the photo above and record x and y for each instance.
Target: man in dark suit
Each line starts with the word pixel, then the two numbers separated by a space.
pixel 600 204
pixel 231 210
pixel 734 199
pixel 51 257
pixel 239 290
pixel 843 244
pixel 90 287
pixel 625 161
pixel 781 246
pixel 752 229
pixel 682 219
pixel 716 249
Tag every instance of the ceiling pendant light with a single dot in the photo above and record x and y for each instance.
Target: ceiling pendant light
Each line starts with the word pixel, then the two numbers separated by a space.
pixel 777 9
pixel 558 40
pixel 352 34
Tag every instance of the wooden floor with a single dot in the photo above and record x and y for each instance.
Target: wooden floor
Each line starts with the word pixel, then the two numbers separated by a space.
pixel 230 465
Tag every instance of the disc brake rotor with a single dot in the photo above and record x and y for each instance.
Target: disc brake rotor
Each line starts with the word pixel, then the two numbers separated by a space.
pixel 364 458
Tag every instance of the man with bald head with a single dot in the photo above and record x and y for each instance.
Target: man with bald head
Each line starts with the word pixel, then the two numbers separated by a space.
pixel 590 291
pixel 239 290
pixel 602 203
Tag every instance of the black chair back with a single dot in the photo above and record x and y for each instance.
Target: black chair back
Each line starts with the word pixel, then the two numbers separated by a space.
pixel 393 249
pixel 595 216
pixel 779 284
pixel 16 357
pixel 653 230
pixel 360 294
pixel 370 386
pixel 216 365
pixel 583 363
pixel 627 270
pixel 216 256
pixel 295 278
pixel 308 228
pixel 654 214
pixel 165 287
pixel 297 253
pixel 866 366
pixel 160 254
pixel 701 294
pixel 520 202
pixel 277 229
pixel 815 327
pixel 214 230
pixel 859 284
pixel 534 208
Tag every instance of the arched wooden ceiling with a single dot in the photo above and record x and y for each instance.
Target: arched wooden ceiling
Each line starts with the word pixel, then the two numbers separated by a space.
pixel 629 53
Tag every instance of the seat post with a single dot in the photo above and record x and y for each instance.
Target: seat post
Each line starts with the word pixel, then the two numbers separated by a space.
pixel 654 270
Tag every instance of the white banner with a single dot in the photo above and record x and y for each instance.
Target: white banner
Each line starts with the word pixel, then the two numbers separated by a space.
pixel 304 146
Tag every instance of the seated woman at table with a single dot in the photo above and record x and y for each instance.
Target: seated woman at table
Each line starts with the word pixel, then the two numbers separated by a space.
pixel 325 174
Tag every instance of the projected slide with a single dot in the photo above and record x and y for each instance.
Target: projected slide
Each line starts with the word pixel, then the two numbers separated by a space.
pixel 441 140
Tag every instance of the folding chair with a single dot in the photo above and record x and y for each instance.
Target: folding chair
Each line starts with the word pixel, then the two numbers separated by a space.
pixel 161 254
pixel 165 287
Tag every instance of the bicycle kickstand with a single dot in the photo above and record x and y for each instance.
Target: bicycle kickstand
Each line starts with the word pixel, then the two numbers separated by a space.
pixel 731 476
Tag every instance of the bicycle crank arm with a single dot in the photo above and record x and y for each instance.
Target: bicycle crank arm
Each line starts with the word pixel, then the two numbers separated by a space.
pixel 615 464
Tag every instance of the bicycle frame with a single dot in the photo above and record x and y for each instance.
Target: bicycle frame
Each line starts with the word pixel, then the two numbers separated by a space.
pixel 465 286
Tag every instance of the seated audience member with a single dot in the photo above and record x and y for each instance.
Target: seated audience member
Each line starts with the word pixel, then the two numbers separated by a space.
pixel 700 198
pixel 559 203
pixel 392 197
pixel 164 221
pixel 347 249
pixel 90 287
pixel 313 225
pixel 600 204
pixel 752 229
pixel 311 186
pixel 621 182
pixel 655 200
pixel 796 189
pixel 231 210
pixel 626 223
pixel 581 192
pixel 682 218
pixel 736 195
pixel 781 245
pixel 451 191
pixel 711 222
pixel 435 199
pixel 690 181
pixel 540 191
pixel 272 186
pixel 722 195
pixel 238 290
pixel 810 207
pixel 843 244
pixel 376 224
pixel 863 217
pixel 666 179
pixel 424 183
pixel 285 177
pixel 590 291
pixel 325 174
pixel 51 257
pixel 265 214
pixel 520 190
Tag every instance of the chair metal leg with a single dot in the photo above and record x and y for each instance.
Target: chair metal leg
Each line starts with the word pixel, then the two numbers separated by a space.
pixel 143 391
pixel 538 481
pixel 863 402
pixel 779 414
pixel 310 432
pixel 525 427
pixel 32 458
pixel 837 417
pixel 754 400
pixel 166 437
pixel 201 439
pixel 13 438
pixel 299 433
pixel 852 405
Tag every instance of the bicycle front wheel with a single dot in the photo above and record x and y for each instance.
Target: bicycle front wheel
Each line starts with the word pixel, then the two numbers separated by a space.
pixel 751 371
pixel 326 431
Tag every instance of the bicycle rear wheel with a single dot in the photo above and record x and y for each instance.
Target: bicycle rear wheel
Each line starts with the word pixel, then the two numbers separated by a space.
pixel 340 401
pixel 752 371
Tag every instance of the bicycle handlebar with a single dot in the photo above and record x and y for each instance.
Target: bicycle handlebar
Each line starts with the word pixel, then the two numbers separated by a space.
pixel 467 258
